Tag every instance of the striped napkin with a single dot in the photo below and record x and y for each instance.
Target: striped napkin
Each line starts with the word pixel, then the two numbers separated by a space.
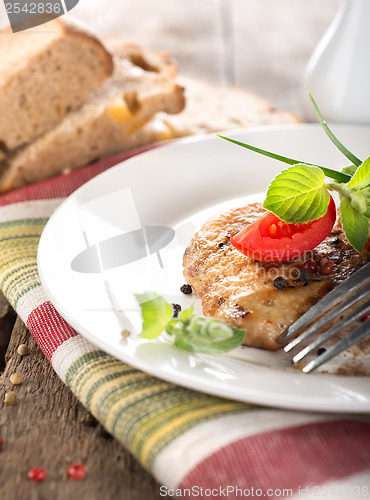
pixel 194 444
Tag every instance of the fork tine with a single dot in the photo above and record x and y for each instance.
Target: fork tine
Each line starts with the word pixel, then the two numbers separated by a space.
pixel 347 287
pixel 353 316
pixel 341 307
pixel 353 338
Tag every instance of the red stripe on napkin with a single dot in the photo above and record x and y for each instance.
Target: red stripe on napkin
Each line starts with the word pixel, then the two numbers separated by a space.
pixel 63 185
pixel 291 458
pixel 49 329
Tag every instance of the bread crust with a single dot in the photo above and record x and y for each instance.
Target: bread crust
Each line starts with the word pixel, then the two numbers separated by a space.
pixel 81 31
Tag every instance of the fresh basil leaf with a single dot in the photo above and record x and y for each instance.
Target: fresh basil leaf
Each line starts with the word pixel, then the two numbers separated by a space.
pixel 184 315
pixel 349 169
pixel 183 343
pixel 229 344
pixel 332 137
pixel 358 201
pixel 366 194
pixel 173 326
pixel 191 332
pixel 156 313
pixel 207 335
pixel 361 178
pixel 298 195
pixel 214 348
pixel 355 225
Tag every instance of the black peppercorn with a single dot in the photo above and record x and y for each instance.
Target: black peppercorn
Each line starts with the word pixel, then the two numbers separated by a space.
pixel 176 309
pixel 186 289
pixel 304 275
pixel 280 283
pixel 321 350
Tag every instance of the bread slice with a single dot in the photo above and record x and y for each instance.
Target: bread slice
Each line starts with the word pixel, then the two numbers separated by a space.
pixel 142 84
pixel 45 72
pixel 213 108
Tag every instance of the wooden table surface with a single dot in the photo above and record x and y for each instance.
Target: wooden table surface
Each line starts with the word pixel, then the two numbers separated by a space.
pixel 262 45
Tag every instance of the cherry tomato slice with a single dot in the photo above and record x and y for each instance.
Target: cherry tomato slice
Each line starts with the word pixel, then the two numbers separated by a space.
pixel 270 239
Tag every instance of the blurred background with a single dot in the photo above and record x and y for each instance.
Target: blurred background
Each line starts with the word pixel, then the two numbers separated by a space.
pixel 261 45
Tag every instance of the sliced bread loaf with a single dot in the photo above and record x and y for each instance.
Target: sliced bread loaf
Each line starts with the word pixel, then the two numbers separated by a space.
pixel 212 108
pixel 45 72
pixel 108 122
pixel 142 84
pixel 121 116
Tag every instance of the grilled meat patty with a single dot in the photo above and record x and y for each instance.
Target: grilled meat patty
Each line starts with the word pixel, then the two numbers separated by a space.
pixel 241 291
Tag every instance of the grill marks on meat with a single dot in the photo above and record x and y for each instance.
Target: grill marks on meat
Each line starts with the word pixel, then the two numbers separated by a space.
pixel 240 291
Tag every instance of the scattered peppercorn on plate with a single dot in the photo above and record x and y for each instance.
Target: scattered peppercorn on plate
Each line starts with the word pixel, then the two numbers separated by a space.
pixel 115 256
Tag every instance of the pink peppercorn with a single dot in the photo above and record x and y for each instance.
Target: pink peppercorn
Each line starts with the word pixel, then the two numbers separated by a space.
pixel 311 266
pixel 326 266
pixel 36 474
pixel 77 471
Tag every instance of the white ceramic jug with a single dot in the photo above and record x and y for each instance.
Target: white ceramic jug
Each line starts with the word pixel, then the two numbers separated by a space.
pixel 338 73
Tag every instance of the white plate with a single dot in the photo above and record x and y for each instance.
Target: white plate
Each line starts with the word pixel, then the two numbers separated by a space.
pixel 179 186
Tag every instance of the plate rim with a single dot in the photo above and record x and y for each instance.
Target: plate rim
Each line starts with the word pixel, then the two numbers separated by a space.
pixel 329 406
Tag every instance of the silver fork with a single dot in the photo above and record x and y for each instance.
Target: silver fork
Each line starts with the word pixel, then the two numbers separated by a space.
pixel 350 299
